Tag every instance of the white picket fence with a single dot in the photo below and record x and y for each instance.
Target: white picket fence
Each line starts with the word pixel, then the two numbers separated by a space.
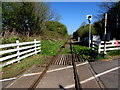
pixel 110 45
pixel 18 52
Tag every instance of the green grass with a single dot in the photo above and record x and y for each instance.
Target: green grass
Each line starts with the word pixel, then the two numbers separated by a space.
pixel 50 48
pixel 16 68
pixel 114 52
pixel 88 53
pixel 66 50
pixel 80 49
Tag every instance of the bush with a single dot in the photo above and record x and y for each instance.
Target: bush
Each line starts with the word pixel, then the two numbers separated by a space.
pixel 86 52
pixel 114 52
pixel 80 49
pixel 10 40
pixel 50 48
pixel 56 26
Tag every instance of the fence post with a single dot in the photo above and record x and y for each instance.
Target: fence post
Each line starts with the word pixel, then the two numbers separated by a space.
pixel 18 51
pixel 35 46
pixel 105 48
pixel 99 47
pixel 93 45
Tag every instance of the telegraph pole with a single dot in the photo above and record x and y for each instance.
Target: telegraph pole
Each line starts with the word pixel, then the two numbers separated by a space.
pixel 105 33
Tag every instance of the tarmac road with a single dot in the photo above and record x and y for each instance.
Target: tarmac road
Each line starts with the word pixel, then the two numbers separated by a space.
pixel 107 71
pixel 111 74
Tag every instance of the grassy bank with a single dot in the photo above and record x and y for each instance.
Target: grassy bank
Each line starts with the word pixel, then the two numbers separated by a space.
pixel 50 48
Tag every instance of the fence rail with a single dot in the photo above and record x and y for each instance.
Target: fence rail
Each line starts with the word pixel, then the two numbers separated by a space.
pixel 101 46
pixel 19 51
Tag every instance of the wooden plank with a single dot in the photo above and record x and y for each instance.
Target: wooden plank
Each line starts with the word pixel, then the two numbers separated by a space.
pixel 27 47
pixel 15 44
pixel 16 60
pixel 24 52
pixel 117 48
pixel 112 45
pixel 13 50
pixel 8 45
pixel 7 57
pixel 8 51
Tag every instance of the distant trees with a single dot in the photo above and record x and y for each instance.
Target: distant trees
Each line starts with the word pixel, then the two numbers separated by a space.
pixel 113 19
pixel 113 22
pixel 27 17
pixel 82 31
pixel 98 27
pixel 56 27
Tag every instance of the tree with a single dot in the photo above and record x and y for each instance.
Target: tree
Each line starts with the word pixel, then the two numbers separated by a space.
pixel 113 18
pixel 25 16
pixel 98 28
pixel 56 26
pixel 104 7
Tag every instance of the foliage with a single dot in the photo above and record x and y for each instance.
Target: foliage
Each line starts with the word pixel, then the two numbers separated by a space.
pixel 25 16
pixel 10 40
pixel 56 27
pixel 86 52
pixel 113 18
pixel 66 50
pixel 83 31
pixel 114 52
pixel 80 49
pixel 50 47
pixel 100 30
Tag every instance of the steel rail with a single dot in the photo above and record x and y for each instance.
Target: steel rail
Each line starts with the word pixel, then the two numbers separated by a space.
pixel 76 77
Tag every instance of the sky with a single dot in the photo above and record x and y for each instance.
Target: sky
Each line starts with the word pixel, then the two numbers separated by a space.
pixel 74 13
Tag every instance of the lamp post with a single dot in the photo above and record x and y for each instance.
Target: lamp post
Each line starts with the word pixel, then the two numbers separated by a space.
pixel 89 18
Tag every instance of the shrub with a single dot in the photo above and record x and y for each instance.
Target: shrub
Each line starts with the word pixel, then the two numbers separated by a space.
pixel 56 27
pixel 86 52
pixel 10 40
pixel 80 49
pixel 114 52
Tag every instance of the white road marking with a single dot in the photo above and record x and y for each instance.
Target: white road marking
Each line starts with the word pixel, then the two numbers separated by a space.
pixel 58 69
pixel 91 78
pixel 8 79
pixel 107 71
pixel 31 74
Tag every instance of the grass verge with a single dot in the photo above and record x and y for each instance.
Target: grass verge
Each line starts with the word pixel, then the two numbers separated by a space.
pixel 66 50
pixel 50 48
pixel 16 68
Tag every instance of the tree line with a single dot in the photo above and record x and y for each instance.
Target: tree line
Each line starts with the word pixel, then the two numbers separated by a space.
pixel 30 18
pixel 113 22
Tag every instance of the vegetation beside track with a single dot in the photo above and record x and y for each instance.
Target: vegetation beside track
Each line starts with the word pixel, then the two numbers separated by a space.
pixel 92 55
pixel 17 68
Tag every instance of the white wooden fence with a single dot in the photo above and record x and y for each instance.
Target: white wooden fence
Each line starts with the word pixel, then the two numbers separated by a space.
pixel 110 45
pixel 19 51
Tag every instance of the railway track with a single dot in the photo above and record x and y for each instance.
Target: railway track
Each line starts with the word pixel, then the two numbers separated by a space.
pixel 57 60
